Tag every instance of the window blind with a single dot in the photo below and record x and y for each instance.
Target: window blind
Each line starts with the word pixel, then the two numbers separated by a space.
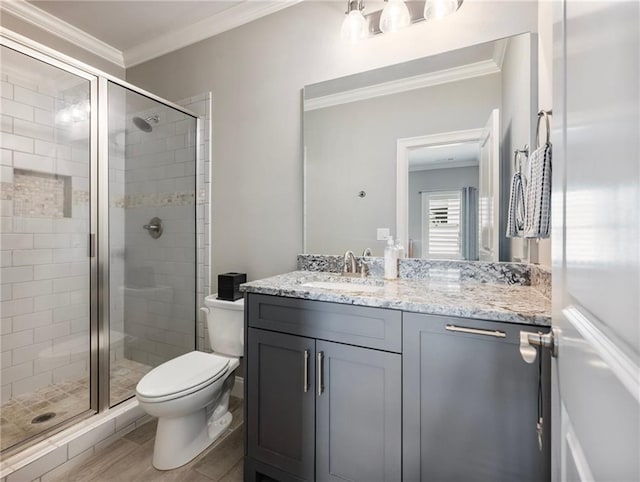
pixel 442 224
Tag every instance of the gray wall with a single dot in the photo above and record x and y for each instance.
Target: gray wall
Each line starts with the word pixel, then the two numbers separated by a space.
pixel 48 40
pixel 352 147
pixel 542 252
pixel 434 180
pixel 519 101
pixel 256 72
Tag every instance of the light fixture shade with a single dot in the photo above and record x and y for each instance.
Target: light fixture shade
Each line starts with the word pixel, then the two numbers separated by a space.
pixel 395 16
pixel 437 9
pixel 354 27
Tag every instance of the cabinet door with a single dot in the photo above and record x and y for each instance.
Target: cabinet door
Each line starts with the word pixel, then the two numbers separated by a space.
pixel 281 406
pixel 470 403
pixel 358 414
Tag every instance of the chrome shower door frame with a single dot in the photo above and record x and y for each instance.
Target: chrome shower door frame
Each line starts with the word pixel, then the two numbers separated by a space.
pixel 104 363
pixel 99 209
pixel 32 51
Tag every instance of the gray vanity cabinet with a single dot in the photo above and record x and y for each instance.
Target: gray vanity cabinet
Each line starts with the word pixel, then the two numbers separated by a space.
pixel 281 401
pixel 318 409
pixel 358 414
pixel 470 402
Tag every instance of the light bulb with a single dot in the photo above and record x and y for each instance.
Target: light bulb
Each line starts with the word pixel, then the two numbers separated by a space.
pixel 354 27
pixel 437 9
pixel 395 16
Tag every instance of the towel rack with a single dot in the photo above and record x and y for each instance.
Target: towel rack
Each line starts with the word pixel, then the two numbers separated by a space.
pixel 517 160
pixel 545 114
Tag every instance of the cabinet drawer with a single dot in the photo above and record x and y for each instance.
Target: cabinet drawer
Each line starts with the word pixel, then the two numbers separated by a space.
pixel 377 328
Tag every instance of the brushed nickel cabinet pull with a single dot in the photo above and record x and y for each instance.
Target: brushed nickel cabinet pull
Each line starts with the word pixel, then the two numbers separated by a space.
pixel 320 374
pixel 476 331
pixel 306 371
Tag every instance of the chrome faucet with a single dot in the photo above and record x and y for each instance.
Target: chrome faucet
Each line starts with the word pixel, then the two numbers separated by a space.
pixel 367 252
pixel 350 264
pixel 350 267
pixel 364 268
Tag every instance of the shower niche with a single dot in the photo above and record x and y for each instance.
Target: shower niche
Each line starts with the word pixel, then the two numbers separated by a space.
pixel 41 195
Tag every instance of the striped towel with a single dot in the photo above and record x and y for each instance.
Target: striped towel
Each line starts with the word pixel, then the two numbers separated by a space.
pixel 515 216
pixel 537 220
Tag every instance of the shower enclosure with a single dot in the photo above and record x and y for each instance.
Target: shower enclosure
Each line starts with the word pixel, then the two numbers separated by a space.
pixel 98 240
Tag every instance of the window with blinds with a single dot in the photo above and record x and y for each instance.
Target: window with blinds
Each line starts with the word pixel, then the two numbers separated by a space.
pixel 442 224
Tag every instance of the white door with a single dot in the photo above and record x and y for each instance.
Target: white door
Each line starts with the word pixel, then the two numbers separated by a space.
pixel 596 246
pixel 489 190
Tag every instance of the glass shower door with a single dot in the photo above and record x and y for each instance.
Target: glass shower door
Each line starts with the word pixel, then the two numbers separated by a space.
pixel 152 236
pixel 46 271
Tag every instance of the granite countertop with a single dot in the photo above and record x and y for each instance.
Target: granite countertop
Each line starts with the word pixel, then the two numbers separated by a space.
pixel 485 301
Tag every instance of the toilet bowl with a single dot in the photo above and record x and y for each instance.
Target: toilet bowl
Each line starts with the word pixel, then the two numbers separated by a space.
pixel 190 394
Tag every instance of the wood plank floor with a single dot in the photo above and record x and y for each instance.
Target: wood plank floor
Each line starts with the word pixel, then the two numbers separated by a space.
pixel 129 459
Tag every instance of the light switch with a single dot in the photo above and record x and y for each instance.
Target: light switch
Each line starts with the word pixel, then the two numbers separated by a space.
pixel 383 234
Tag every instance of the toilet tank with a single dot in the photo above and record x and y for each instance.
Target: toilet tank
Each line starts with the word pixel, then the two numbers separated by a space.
pixel 225 323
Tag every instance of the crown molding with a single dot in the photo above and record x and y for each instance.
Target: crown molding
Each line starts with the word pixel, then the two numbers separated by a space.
pixel 235 16
pixel 55 26
pixel 477 69
pixel 226 20
pixel 499 51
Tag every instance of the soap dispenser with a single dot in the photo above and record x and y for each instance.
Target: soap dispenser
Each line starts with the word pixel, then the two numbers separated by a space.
pixel 390 260
pixel 400 249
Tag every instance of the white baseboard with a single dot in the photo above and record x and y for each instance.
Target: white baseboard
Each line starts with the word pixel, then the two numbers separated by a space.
pixel 238 388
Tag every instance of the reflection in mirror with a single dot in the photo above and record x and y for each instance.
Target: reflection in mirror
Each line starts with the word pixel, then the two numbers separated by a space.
pixel 423 149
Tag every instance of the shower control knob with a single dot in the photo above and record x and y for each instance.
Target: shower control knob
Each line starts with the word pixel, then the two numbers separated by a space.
pixel 154 228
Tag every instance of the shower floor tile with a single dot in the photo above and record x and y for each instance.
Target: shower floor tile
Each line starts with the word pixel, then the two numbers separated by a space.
pixel 65 399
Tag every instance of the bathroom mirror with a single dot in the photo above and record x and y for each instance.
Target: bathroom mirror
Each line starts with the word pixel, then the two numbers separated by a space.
pixel 423 149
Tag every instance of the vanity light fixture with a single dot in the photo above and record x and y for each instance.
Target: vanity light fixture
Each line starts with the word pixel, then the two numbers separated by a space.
pixel 438 9
pixel 355 26
pixel 396 15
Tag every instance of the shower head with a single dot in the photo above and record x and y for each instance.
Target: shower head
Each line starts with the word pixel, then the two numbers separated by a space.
pixel 143 124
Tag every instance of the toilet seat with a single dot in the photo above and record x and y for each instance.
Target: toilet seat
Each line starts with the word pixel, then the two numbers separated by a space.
pixel 181 376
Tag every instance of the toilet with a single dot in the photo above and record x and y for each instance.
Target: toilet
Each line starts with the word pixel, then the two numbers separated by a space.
pixel 190 394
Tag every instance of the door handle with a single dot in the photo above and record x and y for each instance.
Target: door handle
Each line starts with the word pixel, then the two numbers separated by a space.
pixel 530 340
pixel 320 373
pixel 306 371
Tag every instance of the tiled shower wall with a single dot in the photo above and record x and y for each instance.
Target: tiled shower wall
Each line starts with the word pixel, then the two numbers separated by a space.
pixel 45 215
pixel 160 276
pixel 202 106
pixel 117 128
pixel 44 263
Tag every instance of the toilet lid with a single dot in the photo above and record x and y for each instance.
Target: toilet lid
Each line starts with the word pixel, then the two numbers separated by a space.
pixel 194 369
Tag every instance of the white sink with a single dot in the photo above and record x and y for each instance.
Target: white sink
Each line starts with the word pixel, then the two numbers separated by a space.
pixel 342 286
